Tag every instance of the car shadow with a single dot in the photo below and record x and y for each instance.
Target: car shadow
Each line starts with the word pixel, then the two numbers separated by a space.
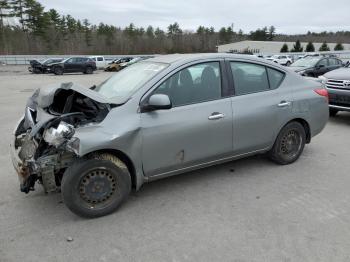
pixel 341 118
pixel 159 190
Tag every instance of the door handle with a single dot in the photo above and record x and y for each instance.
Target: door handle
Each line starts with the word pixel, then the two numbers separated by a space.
pixel 216 116
pixel 284 104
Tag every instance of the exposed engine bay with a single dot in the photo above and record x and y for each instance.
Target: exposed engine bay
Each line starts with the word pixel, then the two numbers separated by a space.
pixel 44 143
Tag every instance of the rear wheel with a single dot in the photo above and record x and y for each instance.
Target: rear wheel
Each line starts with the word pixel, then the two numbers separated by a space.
pixel 96 186
pixel 58 71
pixel 289 144
pixel 89 70
pixel 333 112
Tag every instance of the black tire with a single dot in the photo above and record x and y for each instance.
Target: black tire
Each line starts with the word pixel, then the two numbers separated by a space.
pixel 58 70
pixel 95 186
pixel 333 112
pixel 89 70
pixel 289 144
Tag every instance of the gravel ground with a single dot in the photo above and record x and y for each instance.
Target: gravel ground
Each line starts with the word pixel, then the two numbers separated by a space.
pixel 247 210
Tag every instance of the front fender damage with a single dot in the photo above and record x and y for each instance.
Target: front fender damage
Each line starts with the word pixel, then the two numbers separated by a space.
pixel 43 143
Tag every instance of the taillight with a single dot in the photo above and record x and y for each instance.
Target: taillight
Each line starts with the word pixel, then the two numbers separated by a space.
pixel 322 92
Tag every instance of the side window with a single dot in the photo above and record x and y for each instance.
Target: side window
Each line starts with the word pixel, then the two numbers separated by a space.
pixel 323 62
pixel 275 77
pixel 194 84
pixel 100 59
pixel 249 78
pixel 333 61
pixel 70 61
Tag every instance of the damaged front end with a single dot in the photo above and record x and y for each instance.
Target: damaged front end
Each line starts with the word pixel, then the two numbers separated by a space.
pixel 43 141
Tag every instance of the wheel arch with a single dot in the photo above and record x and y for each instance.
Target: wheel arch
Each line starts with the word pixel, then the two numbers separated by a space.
pixel 306 126
pixel 124 158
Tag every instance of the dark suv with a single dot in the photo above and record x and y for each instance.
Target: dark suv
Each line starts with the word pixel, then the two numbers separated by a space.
pixel 338 85
pixel 73 65
pixel 315 66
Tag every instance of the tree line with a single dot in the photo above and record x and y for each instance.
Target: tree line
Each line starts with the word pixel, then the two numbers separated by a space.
pixel 26 27
pixel 310 47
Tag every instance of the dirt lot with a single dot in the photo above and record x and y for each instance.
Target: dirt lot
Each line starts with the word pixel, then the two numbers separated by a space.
pixel 248 210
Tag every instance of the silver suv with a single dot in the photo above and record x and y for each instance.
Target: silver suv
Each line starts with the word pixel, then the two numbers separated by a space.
pixel 338 86
pixel 161 117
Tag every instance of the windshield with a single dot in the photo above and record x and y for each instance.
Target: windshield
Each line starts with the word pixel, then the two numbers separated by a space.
pixel 126 82
pixel 305 62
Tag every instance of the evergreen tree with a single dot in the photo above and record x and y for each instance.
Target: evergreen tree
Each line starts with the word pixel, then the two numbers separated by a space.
pixel 150 32
pixel 310 47
pixel 159 33
pixel 339 47
pixel 284 49
pixel 297 48
pixel 324 47
pixel 87 32
pixel 271 33
pixel 259 34
pixel 222 35
pixel 174 30
pixel 54 17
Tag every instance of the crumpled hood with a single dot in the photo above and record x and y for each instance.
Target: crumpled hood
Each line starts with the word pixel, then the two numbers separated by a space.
pixel 37 111
pixel 339 74
pixel 44 96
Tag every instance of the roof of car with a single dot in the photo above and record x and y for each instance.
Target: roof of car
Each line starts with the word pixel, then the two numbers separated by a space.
pixel 184 57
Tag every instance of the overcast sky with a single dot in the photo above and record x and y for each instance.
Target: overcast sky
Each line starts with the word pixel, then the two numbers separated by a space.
pixel 288 16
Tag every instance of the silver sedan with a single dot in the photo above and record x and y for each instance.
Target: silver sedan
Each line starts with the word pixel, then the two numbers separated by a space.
pixel 160 117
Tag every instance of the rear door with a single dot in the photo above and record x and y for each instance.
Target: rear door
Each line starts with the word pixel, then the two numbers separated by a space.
pixel 322 67
pixel 197 129
pixel 333 64
pixel 72 64
pixel 260 105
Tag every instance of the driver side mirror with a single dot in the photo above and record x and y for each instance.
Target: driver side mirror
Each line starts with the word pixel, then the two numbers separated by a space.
pixel 157 102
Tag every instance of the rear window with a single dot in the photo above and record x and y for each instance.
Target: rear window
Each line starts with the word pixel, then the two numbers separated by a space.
pixel 99 59
pixel 252 78
pixel 249 78
pixel 275 77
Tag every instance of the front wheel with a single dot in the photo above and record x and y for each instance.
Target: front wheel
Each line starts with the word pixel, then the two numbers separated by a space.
pixel 58 71
pixel 95 186
pixel 289 144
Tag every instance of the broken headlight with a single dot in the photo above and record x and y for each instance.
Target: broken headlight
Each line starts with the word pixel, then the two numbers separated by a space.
pixel 73 145
pixel 57 136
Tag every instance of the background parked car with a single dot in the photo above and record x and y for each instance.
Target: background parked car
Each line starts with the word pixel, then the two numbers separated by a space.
pixel 73 65
pixel 281 59
pixel 38 67
pixel 315 66
pixel 114 65
pixel 100 61
pixel 338 85
pixel 131 62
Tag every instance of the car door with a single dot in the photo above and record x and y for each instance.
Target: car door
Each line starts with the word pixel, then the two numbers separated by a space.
pixel 333 64
pixel 71 64
pixel 322 67
pixel 198 127
pixel 260 106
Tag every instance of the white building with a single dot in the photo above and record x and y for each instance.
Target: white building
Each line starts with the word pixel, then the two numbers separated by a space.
pixel 268 47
